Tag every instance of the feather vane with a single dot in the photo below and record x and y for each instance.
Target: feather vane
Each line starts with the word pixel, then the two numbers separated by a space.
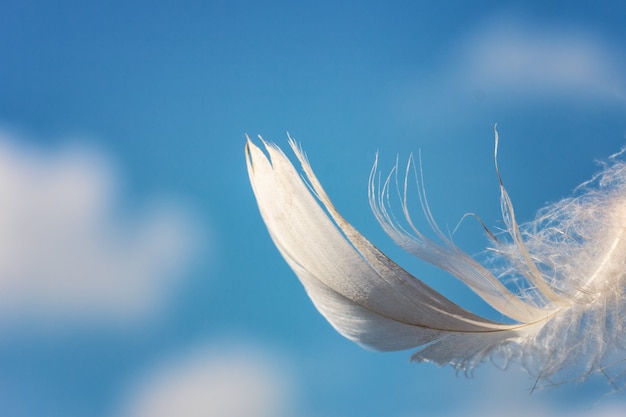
pixel 566 317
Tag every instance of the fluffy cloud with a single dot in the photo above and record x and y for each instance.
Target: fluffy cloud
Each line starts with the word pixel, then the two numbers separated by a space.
pixel 499 393
pixel 70 251
pixel 229 380
pixel 212 382
pixel 511 61
pixel 517 57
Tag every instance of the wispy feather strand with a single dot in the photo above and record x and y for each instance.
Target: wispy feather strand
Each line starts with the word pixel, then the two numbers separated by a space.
pixel 559 278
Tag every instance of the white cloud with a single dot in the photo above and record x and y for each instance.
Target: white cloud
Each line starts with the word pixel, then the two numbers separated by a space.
pixel 509 61
pixel 521 58
pixel 213 382
pixel 229 380
pixel 69 250
pixel 507 393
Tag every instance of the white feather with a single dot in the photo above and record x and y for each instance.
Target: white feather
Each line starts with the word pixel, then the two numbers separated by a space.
pixel 560 278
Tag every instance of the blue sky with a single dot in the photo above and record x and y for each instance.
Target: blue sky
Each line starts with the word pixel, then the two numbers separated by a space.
pixel 136 275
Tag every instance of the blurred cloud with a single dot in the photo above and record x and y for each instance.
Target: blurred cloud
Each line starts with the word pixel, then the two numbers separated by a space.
pixel 229 380
pixel 213 382
pixel 513 56
pixel 69 250
pixel 508 393
pixel 511 61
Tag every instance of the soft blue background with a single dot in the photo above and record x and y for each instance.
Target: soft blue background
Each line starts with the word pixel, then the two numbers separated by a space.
pixel 169 89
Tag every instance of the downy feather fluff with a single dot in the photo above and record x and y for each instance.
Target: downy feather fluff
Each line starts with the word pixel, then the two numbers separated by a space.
pixel 559 279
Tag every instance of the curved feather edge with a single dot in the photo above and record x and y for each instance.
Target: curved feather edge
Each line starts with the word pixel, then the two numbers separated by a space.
pixel 365 296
